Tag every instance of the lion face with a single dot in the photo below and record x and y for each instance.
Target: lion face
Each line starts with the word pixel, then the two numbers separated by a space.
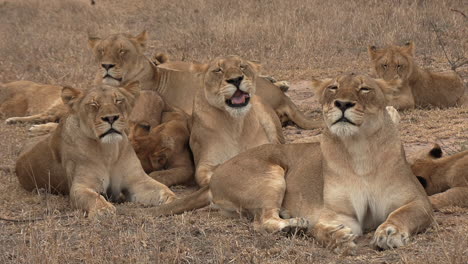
pixel 230 84
pixel 352 103
pixel 422 166
pixel 118 56
pixel 153 150
pixel 103 110
pixel 393 62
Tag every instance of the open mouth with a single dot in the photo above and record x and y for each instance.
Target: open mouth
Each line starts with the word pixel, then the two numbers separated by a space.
pixel 112 77
pixel 345 120
pixel 110 131
pixel 238 99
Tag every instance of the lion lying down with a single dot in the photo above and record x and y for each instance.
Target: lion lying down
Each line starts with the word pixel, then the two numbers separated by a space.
pixel 420 87
pixel 445 179
pixel 355 180
pixel 89 155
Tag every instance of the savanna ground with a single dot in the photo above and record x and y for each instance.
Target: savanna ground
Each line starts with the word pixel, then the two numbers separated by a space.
pixel 296 40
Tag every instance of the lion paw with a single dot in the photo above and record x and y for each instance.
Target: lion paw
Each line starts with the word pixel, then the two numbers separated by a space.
pixel 338 237
pixel 102 208
pixel 11 121
pixel 394 115
pixel 296 225
pixel 388 236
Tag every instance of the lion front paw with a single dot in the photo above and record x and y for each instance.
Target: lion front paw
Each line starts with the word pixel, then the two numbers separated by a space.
pixel 11 120
pixel 296 225
pixel 338 237
pixel 388 236
pixel 101 208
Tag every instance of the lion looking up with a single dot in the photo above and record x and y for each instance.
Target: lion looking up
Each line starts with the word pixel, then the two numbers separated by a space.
pixel 89 154
pixel 420 88
pixel 445 179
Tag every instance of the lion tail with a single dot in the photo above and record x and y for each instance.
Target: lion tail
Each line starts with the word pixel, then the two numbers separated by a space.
pixel 195 200
pixel 299 118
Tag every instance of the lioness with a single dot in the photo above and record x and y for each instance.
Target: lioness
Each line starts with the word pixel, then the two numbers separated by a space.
pixel 228 117
pixel 89 155
pixel 24 98
pixel 356 179
pixel 420 87
pixel 445 179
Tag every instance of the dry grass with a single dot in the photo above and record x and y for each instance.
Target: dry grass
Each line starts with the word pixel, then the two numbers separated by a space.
pixel 45 41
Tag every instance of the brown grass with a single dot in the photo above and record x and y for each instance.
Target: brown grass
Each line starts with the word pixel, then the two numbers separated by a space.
pixel 45 41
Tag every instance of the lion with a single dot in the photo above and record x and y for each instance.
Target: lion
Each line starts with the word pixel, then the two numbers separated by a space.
pixel 164 153
pixel 445 179
pixel 354 180
pixel 228 116
pixel 89 156
pixel 24 98
pixel 420 88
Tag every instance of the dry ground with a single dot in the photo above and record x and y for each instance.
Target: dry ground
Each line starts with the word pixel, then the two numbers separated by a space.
pixel 45 41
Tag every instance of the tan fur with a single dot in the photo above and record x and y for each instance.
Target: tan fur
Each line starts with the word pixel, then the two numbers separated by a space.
pixel 355 180
pixel 445 178
pixel 23 98
pixel 420 88
pixel 84 159
pixel 164 153
pixel 219 131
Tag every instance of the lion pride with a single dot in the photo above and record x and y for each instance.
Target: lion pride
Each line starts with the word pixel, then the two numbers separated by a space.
pixel 420 88
pixel 89 155
pixel 355 180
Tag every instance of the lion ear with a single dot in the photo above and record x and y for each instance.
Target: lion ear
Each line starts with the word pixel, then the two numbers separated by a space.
pixel 372 50
pixel 70 96
pixel 93 41
pixel 256 66
pixel 160 58
pixel 409 48
pixel 142 38
pixel 389 88
pixel 436 152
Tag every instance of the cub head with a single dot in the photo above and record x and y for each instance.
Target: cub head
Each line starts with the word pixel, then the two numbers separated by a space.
pixel 154 149
pixel 393 62
pixel 353 104
pixel 230 83
pixel 423 166
pixel 102 111
pixel 118 56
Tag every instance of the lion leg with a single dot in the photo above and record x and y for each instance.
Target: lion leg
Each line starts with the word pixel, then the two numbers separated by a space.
pixel 259 191
pixel 203 174
pixel 335 231
pixel 42 129
pixel 457 196
pixel 89 200
pixel 147 191
pixel 290 110
pixel 173 176
pixel 401 223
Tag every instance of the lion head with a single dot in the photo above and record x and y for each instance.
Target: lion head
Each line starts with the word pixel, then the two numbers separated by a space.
pixel 351 103
pixel 424 165
pixel 102 111
pixel 229 84
pixel 393 62
pixel 154 149
pixel 119 56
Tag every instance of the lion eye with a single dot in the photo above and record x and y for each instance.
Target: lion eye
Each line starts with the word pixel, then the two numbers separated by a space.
pixel 122 52
pixel 384 66
pixel 399 66
pixel 119 101
pixel 243 66
pixel 218 70
pixel 364 89
pixel 333 88
pixel 94 104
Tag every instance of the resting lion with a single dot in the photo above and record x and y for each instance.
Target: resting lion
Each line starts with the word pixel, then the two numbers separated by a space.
pixel 420 87
pixel 228 117
pixel 355 180
pixel 164 153
pixel 445 179
pixel 89 155
pixel 24 98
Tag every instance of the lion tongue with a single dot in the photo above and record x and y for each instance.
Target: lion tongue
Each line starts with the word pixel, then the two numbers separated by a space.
pixel 239 97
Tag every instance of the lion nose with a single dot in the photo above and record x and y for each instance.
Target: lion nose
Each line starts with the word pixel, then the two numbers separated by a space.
pixel 235 81
pixel 107 66
pixel 110 119
pixel 342 105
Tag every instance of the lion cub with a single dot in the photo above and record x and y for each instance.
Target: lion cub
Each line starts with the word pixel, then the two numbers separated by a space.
pixel 228 117
pixel 355 180
pixel 420 87
pixel 89 155
pixel 445 179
